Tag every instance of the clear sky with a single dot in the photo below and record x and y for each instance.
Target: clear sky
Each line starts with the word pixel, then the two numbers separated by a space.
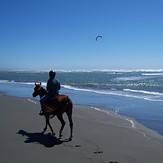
pixel 60 34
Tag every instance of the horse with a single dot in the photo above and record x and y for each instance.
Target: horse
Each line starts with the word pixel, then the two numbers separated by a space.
pixel 65 106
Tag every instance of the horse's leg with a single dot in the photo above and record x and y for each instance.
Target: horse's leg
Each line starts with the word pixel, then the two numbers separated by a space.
pixel 62 124
pixel 69 114
pixel 45 128
pixel 48 123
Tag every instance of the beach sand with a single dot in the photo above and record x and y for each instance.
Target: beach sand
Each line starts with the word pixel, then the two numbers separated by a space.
pixel 98 137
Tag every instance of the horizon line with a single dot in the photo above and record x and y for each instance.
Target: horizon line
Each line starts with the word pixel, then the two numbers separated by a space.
pixel 86 70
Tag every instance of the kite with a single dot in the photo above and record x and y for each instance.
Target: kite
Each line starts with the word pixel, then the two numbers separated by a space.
pixel 98 37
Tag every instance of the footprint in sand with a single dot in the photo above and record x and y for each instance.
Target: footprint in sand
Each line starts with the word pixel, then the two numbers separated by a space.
pixel 98 152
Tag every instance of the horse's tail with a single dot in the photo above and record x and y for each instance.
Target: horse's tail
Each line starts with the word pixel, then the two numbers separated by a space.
pixel 69 105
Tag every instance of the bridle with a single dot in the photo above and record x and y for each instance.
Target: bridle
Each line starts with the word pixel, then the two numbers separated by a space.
pixel 38 90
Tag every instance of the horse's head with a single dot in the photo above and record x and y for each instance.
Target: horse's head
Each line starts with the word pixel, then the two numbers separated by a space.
pixel 39 90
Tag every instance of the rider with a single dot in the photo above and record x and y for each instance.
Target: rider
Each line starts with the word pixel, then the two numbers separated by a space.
pixel 53 87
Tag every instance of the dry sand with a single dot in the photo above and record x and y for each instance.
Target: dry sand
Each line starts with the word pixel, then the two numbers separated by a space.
pixel 98 137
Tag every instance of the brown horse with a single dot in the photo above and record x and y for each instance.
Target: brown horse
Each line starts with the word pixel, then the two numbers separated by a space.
pixel 65 106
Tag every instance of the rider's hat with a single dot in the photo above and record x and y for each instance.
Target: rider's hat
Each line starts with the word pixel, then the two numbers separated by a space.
pixel 52 73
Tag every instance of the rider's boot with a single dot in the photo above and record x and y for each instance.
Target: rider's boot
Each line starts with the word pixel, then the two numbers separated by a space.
pixel 41 112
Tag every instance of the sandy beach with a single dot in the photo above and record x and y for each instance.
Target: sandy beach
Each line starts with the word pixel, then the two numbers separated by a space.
pixel 98 137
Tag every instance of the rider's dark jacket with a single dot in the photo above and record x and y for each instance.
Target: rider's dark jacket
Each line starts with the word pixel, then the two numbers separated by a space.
pixel 53 86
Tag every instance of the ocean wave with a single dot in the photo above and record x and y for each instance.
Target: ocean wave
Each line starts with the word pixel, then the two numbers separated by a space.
pixel 112 71
pixel 108 90
pixel 25 83
pixel 139 94
pixel 115 114
pixel 129 78
pixel 152 74
pixel 4 81
pixel 147 85
pixel 97 70
pixel 144 92
pixel 105 92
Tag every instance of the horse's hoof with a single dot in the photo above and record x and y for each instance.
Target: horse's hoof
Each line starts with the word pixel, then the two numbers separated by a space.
pixel 60 135
pixel 70 139
pixel 44 130
pixel 53 134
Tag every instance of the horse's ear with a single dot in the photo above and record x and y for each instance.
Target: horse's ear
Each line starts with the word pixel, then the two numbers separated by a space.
pixel 40 83
pixel 35 84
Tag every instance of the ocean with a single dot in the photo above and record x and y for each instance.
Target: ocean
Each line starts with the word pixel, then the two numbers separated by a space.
pixel 134 93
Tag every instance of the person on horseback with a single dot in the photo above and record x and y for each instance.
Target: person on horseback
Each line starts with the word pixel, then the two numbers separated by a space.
pixel 53 87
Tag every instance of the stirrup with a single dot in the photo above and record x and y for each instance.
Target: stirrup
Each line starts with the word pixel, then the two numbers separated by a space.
pixel 41 112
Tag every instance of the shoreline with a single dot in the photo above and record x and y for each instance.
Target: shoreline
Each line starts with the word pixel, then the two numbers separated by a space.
pixel 139 109
pixel 133 123
pixel 98 136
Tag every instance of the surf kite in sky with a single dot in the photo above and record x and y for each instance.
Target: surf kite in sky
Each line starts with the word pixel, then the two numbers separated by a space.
pixel 98 37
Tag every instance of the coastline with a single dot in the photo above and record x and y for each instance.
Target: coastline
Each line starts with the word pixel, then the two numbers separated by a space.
pixel 99 136
pixel 144 104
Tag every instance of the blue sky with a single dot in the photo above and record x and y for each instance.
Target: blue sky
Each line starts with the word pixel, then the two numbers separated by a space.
pixel 60 34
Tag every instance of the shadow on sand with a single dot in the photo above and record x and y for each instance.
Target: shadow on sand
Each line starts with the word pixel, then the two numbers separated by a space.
pixel 47 140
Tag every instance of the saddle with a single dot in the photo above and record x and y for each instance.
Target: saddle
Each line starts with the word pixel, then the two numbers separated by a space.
pixel 61 98
pixel 55 102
